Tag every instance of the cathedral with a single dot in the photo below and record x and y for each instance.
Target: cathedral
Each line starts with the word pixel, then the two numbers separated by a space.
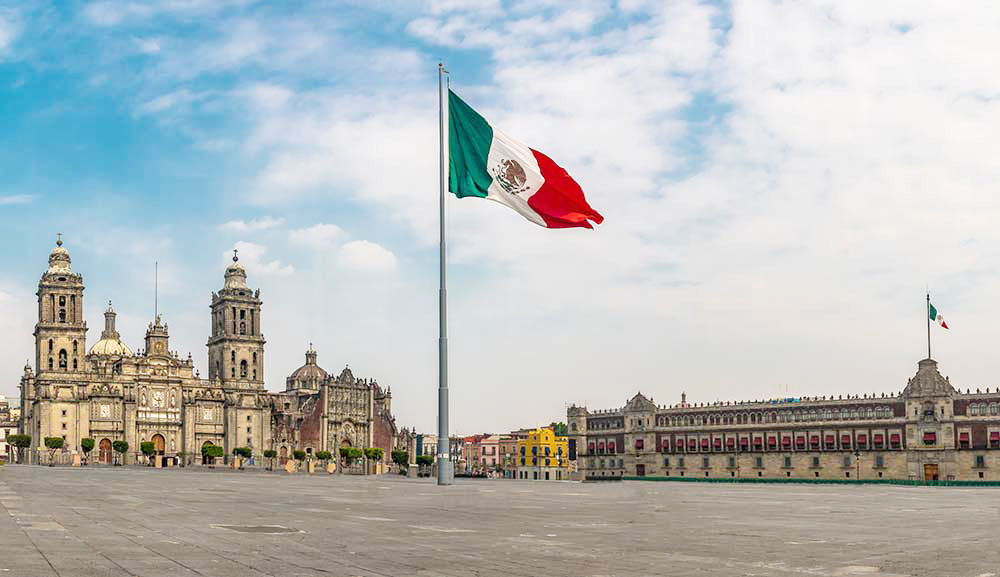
pixel 111 393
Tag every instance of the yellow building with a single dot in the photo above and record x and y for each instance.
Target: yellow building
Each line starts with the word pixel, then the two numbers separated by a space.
pixel 542 455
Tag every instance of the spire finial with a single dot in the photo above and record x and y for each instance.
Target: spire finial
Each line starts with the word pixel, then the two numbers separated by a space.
pixel 58 239
pixel 235 257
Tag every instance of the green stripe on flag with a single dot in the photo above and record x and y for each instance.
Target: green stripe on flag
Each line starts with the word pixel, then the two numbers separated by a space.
pixel 469 141
pixel 933 313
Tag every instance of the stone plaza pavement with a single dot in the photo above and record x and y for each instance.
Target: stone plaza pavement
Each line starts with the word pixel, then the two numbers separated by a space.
pixel 180 522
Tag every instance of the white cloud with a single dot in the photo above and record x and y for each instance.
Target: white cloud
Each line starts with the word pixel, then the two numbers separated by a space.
pixel 252 257
pixel 148 45
pixel 17 199
pixel 256 224
pixel 320 236
pixel 177 99
pixel 366 256
pixel 10 29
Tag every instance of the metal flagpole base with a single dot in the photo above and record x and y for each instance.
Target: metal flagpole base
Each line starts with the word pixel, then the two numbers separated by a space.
pixel 446 472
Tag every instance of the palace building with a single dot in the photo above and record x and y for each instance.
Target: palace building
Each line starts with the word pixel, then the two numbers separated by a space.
pixel 110 392
pixel 929 431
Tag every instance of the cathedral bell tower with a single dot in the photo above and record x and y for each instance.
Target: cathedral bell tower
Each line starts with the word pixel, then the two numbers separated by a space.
pixel 236 347
pixel 61 332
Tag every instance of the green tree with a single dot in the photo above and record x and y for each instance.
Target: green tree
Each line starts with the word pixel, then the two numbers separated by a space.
pixel 53 444
pixel 270 454
pixel 299 454
pixel 209 453
pixel 120 447
pixel 559 429
pixel 20 442
pixel 324 456
pixel 87 445
pixel 147 448
pixel 244 452
pixel 425 460
pixel 401 458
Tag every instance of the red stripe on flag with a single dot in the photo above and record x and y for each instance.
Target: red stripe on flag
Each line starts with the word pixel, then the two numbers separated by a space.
pixel 560 201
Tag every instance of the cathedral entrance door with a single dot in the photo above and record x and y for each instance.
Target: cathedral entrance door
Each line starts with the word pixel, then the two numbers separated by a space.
pixel 640 470
pixel 931 472
pixel 158 444
pixel 104 452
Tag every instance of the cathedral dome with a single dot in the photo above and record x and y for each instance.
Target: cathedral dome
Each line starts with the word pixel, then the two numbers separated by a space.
pixel 310 370
pixel 110 343
pixel 59 261
pixel 111 347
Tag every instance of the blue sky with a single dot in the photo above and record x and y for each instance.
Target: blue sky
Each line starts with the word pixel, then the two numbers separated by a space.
pixel 780 182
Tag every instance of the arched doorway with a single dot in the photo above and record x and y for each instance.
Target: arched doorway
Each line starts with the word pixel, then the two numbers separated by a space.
pixel 206 459
pixel 159 445
pixel 104 452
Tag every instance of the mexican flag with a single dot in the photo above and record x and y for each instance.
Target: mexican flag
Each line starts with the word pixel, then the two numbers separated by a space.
pixel 935 316
pixel 487 163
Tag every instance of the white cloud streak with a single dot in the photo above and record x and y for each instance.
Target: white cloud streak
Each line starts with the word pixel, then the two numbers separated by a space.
pixel 253 225
pixel 12 199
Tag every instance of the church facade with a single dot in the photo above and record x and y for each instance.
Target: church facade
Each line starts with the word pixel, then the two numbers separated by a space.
pixel 323 412
pixel 111 393
pixel 929 431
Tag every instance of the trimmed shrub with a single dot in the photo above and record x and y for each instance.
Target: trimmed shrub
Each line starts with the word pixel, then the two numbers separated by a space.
pixel 20 442
pixel 400 457
pixel 53 444
pixel 147 448
pixel 299 455
pixel 244 452
pixel 425 460
pixel 324 455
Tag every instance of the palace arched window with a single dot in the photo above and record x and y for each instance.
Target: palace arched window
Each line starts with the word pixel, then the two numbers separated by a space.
pixel 74 363
pixel 232 356
pixel 255 359
pixel 50 363
pixel 75 349
pixel 243 328
pixel 243 368
pixel 62 359
pixel 993 408
pixel 50 345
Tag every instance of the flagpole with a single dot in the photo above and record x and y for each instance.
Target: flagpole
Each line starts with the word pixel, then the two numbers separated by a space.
pixel 928 325
pixel 445 472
